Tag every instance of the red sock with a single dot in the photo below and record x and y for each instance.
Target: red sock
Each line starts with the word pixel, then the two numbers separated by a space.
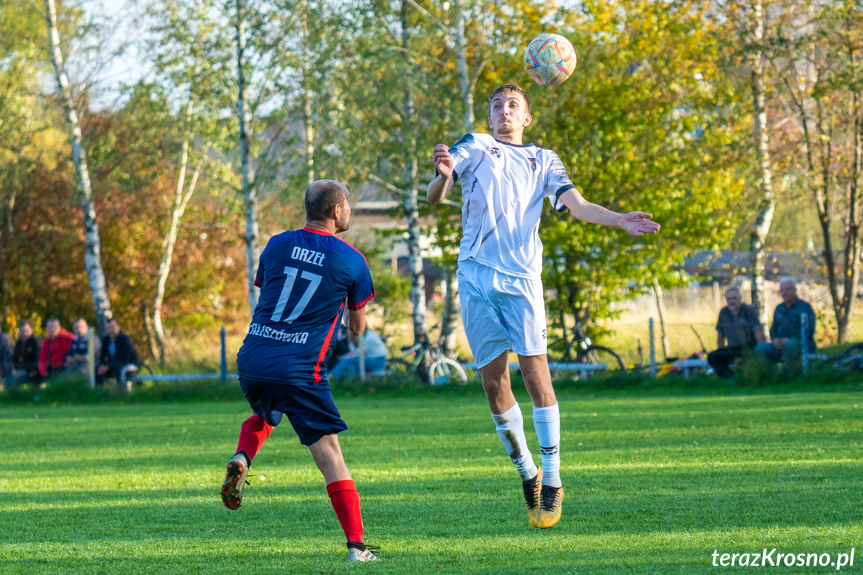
pixel 253 434
pixel 346 503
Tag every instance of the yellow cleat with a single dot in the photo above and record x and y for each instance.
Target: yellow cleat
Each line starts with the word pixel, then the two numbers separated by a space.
pixel 550 506
pixel 531 489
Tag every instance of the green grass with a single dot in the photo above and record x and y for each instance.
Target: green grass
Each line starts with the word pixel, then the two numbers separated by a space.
pixel 653 485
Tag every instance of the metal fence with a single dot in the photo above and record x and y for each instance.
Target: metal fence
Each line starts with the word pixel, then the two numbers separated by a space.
pixel 687 328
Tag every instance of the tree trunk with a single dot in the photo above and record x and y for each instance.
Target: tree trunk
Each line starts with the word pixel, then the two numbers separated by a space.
pixel 92 254
pixel 310 134
pixel 308 125
pixel 660 310
pixel 181 200
pixel 148 329
pixel 415 260
pixel 451 303
pixel 852 238
pixel 250 194
pixel 758 236
pixel 6 234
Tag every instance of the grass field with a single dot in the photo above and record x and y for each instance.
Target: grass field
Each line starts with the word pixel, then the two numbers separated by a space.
pixel 653 485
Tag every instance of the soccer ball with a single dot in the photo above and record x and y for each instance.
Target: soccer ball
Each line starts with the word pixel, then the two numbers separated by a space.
pixel 549 59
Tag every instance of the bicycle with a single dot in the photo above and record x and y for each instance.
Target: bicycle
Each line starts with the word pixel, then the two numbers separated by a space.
pixel 441 369
pixel 849 360
pixel 586 351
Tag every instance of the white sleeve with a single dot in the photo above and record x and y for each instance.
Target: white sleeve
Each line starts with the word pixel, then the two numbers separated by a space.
pixel 463 154
pixel 556 180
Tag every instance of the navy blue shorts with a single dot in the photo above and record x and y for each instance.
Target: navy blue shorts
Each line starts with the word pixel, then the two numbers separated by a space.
pixel 310 408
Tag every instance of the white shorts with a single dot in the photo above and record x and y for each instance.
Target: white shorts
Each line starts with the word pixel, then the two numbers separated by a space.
pixel 500 312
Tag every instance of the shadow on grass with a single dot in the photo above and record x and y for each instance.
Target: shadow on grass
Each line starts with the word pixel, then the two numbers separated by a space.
pixel 470 504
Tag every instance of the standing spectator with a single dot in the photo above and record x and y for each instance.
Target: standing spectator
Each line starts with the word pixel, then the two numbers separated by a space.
pixel 6 350
pixel 785 330
pixel 54 348
pixel 118 357
pixel 25 358
pixel 375 352
pixel 77 358
pixel 739 325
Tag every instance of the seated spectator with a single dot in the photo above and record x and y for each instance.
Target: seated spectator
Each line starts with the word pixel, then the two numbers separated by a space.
pixel 785 337
pixel 375 352
pixel 54 348
pixel 6 350
pixel 77 356
pixel 118 357
pixel 738 330
pixel 339 348
pixel 25 357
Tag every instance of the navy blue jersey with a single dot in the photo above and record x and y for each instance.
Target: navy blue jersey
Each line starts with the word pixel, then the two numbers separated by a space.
pixel 306 278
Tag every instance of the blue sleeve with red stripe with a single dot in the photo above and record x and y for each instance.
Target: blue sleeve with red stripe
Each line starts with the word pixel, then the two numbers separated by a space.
pixel 259 277
pixel 363 290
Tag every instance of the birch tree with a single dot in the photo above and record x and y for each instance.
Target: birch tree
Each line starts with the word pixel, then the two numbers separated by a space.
pixel 187 45
pixel 767 204
pixel 92 258
pixel 250 193
pixel 182 196
pixel 820 64
pixel 261 41
pixel 411 183
pixel 466 84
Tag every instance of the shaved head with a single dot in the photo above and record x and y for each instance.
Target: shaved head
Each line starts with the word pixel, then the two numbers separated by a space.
pixel 324 195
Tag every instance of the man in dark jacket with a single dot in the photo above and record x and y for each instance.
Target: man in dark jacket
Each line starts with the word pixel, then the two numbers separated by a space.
pixel 740 327
pixel 786 339
pixel 25 357
pixel 77 358
pixel 118 356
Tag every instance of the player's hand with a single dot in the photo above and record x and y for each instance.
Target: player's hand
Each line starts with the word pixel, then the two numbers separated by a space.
pixel 443 160
pixel 638 223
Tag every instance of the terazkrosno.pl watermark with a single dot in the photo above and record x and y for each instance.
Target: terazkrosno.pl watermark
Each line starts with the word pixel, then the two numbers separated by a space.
pixel 776 558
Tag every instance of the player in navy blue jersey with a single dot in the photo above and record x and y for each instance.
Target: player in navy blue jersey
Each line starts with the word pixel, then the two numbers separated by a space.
pixel 307 278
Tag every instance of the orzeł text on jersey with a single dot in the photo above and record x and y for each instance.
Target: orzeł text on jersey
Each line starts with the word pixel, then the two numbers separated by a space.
pixel 305 276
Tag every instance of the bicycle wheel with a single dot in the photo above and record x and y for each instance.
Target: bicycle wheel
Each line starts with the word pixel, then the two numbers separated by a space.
pixel 444 370
pixel 601 354
pixel 849 360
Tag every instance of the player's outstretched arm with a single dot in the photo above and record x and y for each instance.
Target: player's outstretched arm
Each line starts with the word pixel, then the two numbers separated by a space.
pixel 438 187
pixel 636 223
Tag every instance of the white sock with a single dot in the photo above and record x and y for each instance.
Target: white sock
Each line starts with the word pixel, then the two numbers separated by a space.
pixel 546 421
pixel 510 428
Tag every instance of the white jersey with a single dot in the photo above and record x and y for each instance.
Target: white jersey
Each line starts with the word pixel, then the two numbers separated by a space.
pixel 503 187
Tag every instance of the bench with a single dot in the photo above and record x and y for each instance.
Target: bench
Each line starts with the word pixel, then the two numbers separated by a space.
pixel 687 365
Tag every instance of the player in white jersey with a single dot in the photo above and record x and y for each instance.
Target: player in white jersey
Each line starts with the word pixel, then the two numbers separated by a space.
pixel 504 183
